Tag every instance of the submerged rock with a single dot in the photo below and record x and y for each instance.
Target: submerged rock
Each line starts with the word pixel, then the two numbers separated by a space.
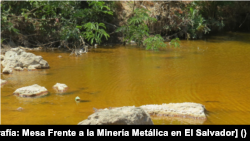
pixel 119 116
pixel 60 87
pixel 30 91
pixel 2 82
pixel 19 109
pixel 186 109
pixel 17 57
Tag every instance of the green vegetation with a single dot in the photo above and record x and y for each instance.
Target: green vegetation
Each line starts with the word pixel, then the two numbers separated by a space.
pixel 175 42
pixel 54 21
pixel 137 30
pixel 154 43
pixel 76 23
pixel 1 41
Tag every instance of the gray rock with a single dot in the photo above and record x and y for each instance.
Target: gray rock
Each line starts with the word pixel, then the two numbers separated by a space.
pixel 31 68
pixel 10 59
pixel 18 69
pixel 17 57
pixel 119 116
pixel 34 67
pixel 30 91
pixel 186 109
pixel 60 87
pixel 28 59
pixel 44 64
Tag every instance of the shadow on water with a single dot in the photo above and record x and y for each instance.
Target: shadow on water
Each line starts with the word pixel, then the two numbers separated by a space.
pixel 212 101
pixel 70 92
pixel 100 51
pixel 224 37
pixel 48 74
pixel 47 102
pixel 92 92
pixel 7 95
pixel 79 101
pixel 66 93
pixel 173 57
pixel 33 97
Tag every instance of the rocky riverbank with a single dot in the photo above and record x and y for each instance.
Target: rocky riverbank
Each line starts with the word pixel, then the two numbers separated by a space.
pixel 18 59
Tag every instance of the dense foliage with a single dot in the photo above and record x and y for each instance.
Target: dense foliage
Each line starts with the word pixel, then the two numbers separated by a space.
pixel 38 22
pixel 76 23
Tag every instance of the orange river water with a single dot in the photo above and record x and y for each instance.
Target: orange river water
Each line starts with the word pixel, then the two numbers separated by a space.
pixel 214 72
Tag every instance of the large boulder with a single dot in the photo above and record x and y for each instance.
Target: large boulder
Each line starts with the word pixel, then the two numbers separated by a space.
pixel 10 59
pixel 119 116
pixel 17 57
pixel 30 91
pixel 2 82
pixel 187 109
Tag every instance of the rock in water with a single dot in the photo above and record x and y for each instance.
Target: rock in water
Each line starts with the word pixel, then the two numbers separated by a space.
pixel 186 109
pixel 2 57
pixel 19 109
pixel 60 87
pixel 18 69
pixel 7 70
pixel 30 91
pixel 119 116
pixel 17 57
pixel 2 82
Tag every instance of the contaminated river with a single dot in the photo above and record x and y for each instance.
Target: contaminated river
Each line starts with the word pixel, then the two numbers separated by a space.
pixel 214 72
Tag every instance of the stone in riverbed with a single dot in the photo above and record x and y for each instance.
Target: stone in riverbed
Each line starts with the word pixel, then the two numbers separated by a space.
pixel 60 87
pixel 7 70
pixel 30 91
pixel 119 116
pixel 17 57
pixel 2 82
pixel 18 69
pixel 19 109
pixel 187 109
pixel 34 67
pixel 2 57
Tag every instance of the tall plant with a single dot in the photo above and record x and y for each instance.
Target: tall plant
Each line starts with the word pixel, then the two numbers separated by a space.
pixel 136 29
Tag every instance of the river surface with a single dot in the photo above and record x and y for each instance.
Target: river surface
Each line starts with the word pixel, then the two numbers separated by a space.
pixel 214 72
